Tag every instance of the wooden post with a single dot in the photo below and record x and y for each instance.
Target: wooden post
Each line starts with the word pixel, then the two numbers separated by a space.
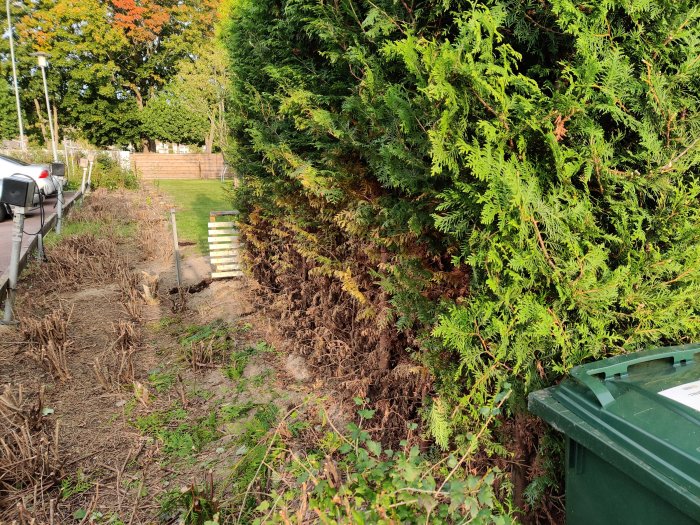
pixel 84 163
pixel 176 245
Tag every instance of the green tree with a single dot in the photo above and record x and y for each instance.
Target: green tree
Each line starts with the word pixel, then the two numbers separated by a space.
pixel 9 128
pixel 107 59
pixel 170 118
pixel 190 109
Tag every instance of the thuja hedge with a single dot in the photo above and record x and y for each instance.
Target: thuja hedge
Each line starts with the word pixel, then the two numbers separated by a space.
pixel 518 178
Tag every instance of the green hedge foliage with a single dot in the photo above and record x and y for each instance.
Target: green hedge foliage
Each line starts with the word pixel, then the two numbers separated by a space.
pixel 521 176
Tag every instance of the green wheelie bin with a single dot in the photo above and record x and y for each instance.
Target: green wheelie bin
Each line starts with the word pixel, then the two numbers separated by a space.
pixel 632 428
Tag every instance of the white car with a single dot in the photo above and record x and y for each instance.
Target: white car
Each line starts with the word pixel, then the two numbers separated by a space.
pixel 41 173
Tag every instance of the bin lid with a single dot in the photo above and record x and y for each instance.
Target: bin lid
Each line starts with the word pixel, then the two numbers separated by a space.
pixel 641 413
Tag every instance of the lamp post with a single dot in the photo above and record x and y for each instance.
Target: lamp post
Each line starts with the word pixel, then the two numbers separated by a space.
pixel 42 60
pixel 23 145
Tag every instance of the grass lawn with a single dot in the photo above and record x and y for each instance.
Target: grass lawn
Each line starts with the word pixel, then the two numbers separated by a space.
pixel 194 199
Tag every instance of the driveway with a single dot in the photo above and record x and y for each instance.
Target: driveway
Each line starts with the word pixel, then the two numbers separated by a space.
pixel 32 224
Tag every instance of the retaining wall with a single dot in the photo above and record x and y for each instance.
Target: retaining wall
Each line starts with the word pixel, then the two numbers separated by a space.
pixel 158 166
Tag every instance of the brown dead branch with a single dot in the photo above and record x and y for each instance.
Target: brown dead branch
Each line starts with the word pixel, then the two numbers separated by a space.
pixel 49 342
pixel 30 463
pixel 115 368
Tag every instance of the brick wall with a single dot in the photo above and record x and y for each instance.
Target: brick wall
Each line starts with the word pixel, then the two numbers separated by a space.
pixel 152 166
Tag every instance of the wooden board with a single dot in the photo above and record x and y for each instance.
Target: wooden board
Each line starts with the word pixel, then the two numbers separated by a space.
pixel 228 267
pixel 224 260
pixel 224 246
pixel 225 253
pixel 225 275
pixel 231 239
pixel 220 246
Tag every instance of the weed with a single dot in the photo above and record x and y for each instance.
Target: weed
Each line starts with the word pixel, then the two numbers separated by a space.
pixel 109 174
pixel 260 379
pixel 179 437
pixel 189 438
pixel 97 517
pixel 206 346
pixel 129 407
pixel 197 333
pixel 204 395
pixel 72 485
pixel 256 447
pixel 166 322
pixel 156 421
pixel 192 504
pixel 233 412
pixel 162 381
pixel 262 347
pixel 349 478
pixel 239 359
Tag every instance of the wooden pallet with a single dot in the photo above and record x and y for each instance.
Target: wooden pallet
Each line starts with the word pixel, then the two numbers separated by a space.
pixel 224 245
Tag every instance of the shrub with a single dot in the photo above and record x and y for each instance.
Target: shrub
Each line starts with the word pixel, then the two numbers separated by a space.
pixel 513 185
pixel 108 173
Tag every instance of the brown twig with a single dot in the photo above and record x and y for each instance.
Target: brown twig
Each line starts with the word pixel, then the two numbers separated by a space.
pixel 540 240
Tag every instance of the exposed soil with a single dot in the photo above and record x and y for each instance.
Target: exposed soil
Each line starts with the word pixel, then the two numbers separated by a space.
pixel 119 396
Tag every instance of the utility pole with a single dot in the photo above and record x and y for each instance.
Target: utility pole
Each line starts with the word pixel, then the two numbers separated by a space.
pixel 23 145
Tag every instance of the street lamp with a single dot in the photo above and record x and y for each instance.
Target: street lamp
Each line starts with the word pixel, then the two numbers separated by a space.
pixel 42 60
pixel 23 145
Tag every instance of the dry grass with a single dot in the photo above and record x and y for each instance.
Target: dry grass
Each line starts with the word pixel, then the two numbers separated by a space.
pixel 153 234
pixel 30 462
pixel 49 342
pixel 150 286
pixel 110 207
pixel 115 368
pixel 205 354
pixel 130 297
pixel 80 260
pixel 98 348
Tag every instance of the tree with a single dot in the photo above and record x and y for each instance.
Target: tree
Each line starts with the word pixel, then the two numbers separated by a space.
pixel 159 34
pixel 170 118
pixel 9 128
pixel 190 109
pixel 107 58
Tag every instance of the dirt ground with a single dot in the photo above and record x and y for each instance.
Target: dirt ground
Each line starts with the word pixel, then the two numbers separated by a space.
pixel 121 400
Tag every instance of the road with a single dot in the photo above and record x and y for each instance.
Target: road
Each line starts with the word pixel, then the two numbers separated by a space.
pixel 32 224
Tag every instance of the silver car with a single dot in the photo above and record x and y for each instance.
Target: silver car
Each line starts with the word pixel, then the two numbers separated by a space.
pixel 41 173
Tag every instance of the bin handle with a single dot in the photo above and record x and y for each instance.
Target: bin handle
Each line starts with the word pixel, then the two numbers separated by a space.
pixel 618 366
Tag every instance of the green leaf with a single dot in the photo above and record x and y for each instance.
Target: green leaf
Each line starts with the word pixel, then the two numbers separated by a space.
pixel 374 447
pixel 366 413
